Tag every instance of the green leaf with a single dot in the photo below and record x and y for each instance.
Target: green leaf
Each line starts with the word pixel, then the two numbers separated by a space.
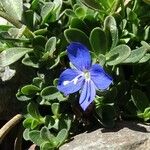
pixel 33 111
pixel 30 89
pixel 98 41
pixel 106 115
pixel 145 58
pixel 35 123
pixel 76 35
pixel 39 41
pixel 76 6
pixel 68 123
pixel 46 11
pixel 26 134
pixel 38 81
pixel 29 18
pixel 140 100
pixel 79 24
pixel 35 137
pixel 70 13
pixel 146 114
pixel 147 1
pixel 4 28
pixel 57 60
pixel 62 136
pixel 93 4
pixel 51 10
pixel 47 146
pixel 14 8
pixel 62 122
pixel 11 55
pixel 51 93
pixel 56 126
pixel 27 122
pixel 108 4
pixel 46 135
pixel 57 9
pixel 28 62
pixel 118 54
pixel 101 59
pixel 14 32
pixel 42 31
pixel 55 108
pixel 21 97
pixel 51 46
pixel 146 45
pixel 132 16
pixel 34 4
pixel 49 121
pixel 111 26
pixel 136 55
pixel 110 96
pixel 80 12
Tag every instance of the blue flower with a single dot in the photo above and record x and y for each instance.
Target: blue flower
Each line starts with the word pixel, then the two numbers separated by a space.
pixel 84 76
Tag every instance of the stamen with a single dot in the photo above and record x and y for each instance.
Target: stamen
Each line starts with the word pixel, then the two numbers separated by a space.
pixel 75 80
pixel 66 82
pixel 87 75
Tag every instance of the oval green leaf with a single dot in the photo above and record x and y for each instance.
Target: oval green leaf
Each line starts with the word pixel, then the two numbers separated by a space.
pixel 11 55
pixel 46 11
pixel 139 99
pixel 30 89
pixel 136 55
pixel 106 115
pixel 35 137
pixel 14 8
pixel 76 35
pixel 93 4
pixel 51 45
pixel 62 136
pixel 33 111
pixel 98 41
pixel 118 54
pixel 111 26
pixel 55 108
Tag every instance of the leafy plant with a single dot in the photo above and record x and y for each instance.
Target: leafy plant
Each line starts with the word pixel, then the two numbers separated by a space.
pixel 38 33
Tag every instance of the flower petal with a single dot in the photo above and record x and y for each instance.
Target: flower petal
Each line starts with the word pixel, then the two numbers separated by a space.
pixel 79 56
pixel 70 81
pixel 100 78
pixel 87 95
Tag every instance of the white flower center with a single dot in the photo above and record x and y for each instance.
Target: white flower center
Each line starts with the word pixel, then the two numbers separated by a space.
pixel 75 80
pixel 87 75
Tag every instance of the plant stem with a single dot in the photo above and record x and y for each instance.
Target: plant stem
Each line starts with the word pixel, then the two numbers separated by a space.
pixel 15 40
pixel 123 3
pixel 9 125
pixel 122 8
pixel 115 7
pixel 27 33
pixel 16 23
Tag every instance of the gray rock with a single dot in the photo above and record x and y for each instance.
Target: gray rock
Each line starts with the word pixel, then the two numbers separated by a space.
pixel 125 136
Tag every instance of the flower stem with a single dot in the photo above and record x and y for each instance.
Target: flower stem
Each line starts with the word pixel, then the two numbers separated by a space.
pixel 122 8
pixel 16 23
pixel 27 33
pixel 115 7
